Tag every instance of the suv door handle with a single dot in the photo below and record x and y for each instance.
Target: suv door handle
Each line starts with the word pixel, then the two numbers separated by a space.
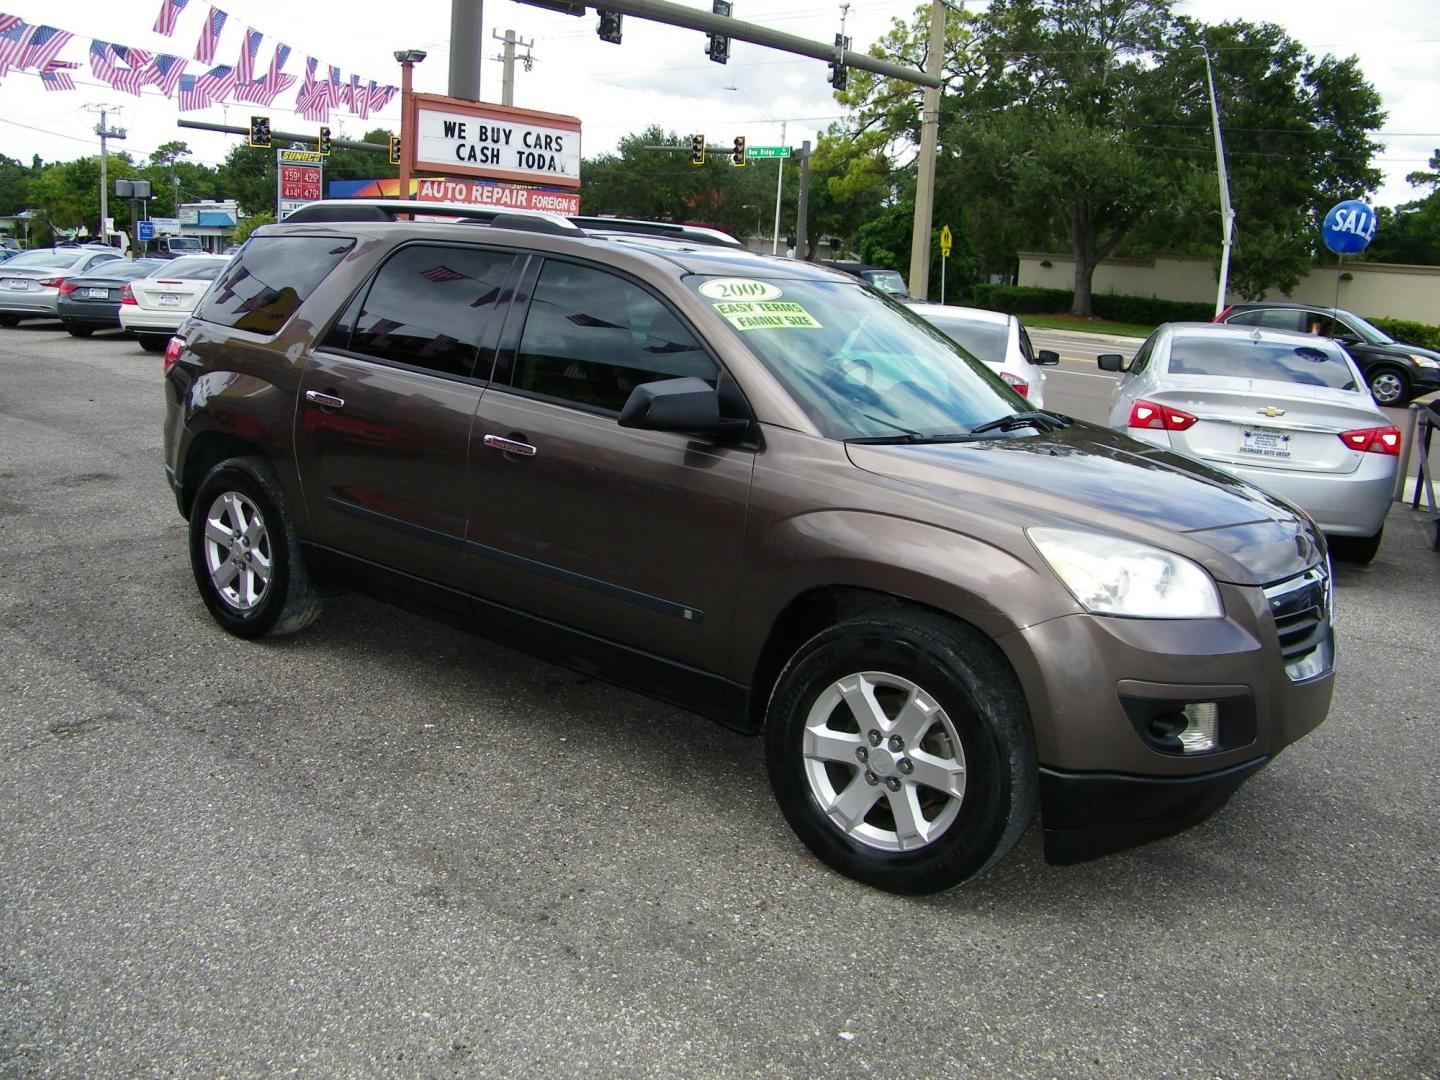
pixel 510 446
pixel 325 401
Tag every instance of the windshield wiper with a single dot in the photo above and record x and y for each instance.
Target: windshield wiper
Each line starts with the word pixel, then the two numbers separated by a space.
pixel 1040 419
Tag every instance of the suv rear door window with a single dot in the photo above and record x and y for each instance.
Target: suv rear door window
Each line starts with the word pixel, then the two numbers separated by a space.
pixel 432 306
pixel 591 337
pixel 269 278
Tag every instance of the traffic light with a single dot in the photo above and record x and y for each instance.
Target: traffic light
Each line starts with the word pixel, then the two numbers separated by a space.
pixel 322 144
pixel 609 28
pixel 260 131
pixel 394 149
pixel 717 46
pixel 737 155
pixel 697 149
pixel 838 74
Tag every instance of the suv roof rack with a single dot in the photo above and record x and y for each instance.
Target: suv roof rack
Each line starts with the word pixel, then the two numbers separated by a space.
pixel 390 209
pixel 699 234
pixel 500 218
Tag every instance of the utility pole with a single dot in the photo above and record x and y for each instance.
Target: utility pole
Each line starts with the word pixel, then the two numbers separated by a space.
pixel 105 132
pixel 779 190
pixel 507 60
pixel 925 177
pixel 802 209
pixel 466 45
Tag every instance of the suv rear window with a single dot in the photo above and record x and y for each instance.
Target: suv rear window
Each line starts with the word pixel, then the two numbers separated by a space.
pixel 269 278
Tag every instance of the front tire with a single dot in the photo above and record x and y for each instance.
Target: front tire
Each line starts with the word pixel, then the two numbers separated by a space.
pixel 9 320
pixel 899 749
pixel 245 554
pixel 1389 386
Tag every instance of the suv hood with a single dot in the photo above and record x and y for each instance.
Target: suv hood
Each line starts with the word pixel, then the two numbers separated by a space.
pixel 1090 477
pixel 1399 350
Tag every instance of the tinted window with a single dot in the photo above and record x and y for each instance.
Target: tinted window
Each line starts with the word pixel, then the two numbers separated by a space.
pixel 1280 318
pixel 592 337
pixel 191 268
pixel 986 340
pixel 269 278
pixel 42 260
pixel 1142 357
pixel 430 306
pixel 1321 364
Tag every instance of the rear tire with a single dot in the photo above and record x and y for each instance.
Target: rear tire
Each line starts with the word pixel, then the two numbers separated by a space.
pixel 245 554
pixel 152 343
pixel 9 320
pixel 900 751
pixel 1357 549
pixel 78 331
pixel 1389 386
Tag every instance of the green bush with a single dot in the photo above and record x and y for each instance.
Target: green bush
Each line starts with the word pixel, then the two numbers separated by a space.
pixel 1411 333
pixel 1143 310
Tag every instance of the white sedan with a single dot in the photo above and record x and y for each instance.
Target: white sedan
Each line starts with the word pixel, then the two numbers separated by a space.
pixel 1287 412
pixel 153 307
pixel 997 339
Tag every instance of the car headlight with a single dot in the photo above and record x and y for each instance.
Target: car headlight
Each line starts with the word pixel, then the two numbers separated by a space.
pixel 1424 361
pixel 1111 576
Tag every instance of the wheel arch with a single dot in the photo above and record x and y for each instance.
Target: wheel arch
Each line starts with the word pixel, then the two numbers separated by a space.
pixel 207 449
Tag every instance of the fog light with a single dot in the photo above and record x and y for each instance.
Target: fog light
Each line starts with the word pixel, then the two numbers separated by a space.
pixel 1202 725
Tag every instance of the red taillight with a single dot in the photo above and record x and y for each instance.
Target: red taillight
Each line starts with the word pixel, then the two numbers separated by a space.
pixel 51 282
pixel 1146 414
pixel 173 349
pixel 1376 440
pixel 67 287
pixel 1221 317
pixel 1019 385
pixel 127 295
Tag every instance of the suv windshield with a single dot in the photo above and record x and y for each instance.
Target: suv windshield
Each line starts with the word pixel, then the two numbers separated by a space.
pixel 1367 332
pixel 1321 364
pixel 859 365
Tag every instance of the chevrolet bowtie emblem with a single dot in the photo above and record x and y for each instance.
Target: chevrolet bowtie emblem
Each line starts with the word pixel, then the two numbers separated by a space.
pixel 1270 410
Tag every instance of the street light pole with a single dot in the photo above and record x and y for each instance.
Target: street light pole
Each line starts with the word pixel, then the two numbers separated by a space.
pixel 925 177
pixel 780 180
pixel 408 59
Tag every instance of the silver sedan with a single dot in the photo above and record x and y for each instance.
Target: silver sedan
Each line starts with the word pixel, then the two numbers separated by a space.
pixel 1287 412
pixel 30 282
pixel 997 339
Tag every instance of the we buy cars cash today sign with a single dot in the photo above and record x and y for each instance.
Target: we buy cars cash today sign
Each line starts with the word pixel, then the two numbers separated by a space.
pixel 494 142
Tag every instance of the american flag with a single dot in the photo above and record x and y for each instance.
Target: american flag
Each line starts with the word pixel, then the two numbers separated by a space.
pixel 9 22
pixel 165 71
pixel 438 344
pixel 130 78
pixel 12 43
pixel 255 92
pixel 169 15
pixel 45 44
pixel 379 332
pixel 380 96
pixel 56 76
pixel 102 59
pixel 190 98
pixel 359 98
pixel 442 273
pixel 249 49
pixel 334 88
pixel 217 83
pixel 210 35
pixel 136 58
pixel 278 61
pixel 311 103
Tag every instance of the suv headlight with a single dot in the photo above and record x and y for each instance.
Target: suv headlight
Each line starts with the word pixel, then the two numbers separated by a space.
pixel 1423 361
pixel 1111 576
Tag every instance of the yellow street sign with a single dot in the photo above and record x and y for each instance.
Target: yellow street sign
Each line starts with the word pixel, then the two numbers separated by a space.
pixel 946 239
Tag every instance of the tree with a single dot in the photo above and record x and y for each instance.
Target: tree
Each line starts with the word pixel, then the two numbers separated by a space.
pixel 68 194
pixel 248 225
pixel 1410 233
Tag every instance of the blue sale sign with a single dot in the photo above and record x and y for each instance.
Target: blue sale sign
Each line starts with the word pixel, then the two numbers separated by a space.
pixel 1349 227
pixel 147 230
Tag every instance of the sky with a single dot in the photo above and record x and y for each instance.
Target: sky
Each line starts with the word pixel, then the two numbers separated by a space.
pixel 658 74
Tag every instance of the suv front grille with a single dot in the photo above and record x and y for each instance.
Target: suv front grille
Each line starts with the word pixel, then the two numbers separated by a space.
pixel 1302 612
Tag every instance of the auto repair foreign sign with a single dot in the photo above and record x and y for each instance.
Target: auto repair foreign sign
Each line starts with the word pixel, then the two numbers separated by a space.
pixel 494 142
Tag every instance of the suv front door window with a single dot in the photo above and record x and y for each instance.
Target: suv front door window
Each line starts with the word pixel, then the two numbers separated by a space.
pixel 629 534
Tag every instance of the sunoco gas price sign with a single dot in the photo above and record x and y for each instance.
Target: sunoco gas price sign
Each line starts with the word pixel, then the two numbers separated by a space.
pixel 464 138
pixel 299 179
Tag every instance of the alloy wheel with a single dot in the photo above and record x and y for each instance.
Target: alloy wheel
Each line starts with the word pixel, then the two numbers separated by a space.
pixel 238 556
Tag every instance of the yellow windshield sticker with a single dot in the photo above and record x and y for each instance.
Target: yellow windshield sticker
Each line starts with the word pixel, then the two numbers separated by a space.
pixel 767 315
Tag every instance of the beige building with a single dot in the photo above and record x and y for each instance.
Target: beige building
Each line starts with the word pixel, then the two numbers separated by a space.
pixel 1379 290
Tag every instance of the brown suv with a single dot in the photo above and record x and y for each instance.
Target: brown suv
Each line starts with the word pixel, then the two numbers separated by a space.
pixel 764 492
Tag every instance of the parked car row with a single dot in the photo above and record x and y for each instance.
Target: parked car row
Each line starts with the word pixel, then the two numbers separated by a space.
pixel 96 288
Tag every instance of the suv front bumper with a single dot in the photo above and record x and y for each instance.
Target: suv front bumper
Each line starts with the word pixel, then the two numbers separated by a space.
pixel 1097 687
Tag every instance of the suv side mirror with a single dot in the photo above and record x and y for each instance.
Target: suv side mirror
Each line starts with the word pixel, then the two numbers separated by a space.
pixel 1047 357
pixel 1112 362
pixel 683 405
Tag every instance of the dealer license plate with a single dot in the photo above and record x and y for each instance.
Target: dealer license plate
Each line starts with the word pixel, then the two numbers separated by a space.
pixel 19 283
pixel 169 299
pixel 1262 442
pixel 98 294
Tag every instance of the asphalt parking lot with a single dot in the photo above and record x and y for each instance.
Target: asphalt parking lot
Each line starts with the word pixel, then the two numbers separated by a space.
pixel 383 847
